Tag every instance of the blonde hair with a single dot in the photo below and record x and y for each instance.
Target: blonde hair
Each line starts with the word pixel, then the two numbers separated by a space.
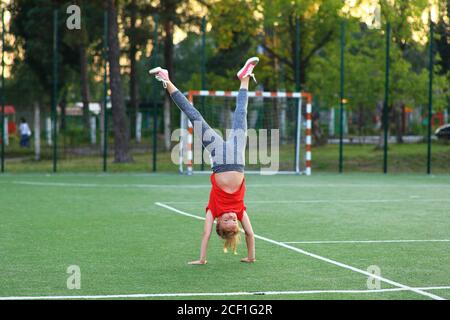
pixel 231 237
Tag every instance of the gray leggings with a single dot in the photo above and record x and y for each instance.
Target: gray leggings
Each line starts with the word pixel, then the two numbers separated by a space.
pixel 226 155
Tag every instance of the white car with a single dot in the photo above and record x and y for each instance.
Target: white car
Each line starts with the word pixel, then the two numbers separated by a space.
pixel 443 132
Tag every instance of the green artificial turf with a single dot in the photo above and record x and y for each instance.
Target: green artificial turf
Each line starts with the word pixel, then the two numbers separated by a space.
pixel 110 226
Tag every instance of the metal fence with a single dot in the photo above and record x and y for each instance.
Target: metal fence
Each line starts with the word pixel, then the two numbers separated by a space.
pixel 362 119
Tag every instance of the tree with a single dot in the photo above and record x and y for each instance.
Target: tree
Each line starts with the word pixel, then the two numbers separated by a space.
pixel 173 13
pixel 81 41
pixel 443 40
pixel 138 31
pixel 121 130
pixel 406 18
pixel 32 27
pixel 234 31
pixel 365 67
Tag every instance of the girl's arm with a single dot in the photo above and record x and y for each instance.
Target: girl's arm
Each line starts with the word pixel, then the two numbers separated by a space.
pixel 209 221
pixel 249 238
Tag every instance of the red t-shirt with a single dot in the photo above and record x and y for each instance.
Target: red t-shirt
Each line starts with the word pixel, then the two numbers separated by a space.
pixel 221 201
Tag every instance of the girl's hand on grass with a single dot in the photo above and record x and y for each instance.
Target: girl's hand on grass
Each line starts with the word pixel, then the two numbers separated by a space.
pixel 248 260
pixel 198 262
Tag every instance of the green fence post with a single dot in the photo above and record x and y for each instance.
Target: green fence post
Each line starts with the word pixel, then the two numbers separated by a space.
pixel 297 54
pixel 105 91
pixel 298 89
pixel 430 97
pixel 341 104
pixel 155 111
pixel 203 73
pixel 55 89
pixel 386 98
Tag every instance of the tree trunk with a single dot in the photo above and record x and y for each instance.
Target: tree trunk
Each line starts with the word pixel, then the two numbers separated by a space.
pixel 360 122
pixel 121 132
pixel 37 132
pixel 84 83
pixel 63 106
pixel 102 127
pixel 134 99
pixel 404 129
pixel 380 145
pixel 62 123
pixel 398 123
pixel 168 58
pixel 133 85
pixel 317 132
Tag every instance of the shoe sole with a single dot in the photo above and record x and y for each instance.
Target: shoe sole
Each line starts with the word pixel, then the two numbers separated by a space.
pixel 155 70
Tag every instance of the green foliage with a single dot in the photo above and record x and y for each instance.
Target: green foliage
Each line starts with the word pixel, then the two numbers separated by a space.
pixel 24 80
pixel 32 27
pixel 75 135
pixel 233 23
pixel 365 59
pixel 236 30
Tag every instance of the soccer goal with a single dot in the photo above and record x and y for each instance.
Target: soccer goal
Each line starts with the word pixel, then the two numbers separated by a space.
pixel 281 118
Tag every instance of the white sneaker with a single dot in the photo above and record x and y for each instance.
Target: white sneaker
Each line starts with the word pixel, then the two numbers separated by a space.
pixel 160 75
pixel 246 70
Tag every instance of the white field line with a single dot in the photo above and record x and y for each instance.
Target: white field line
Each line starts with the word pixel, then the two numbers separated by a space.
pixel 190 186
pixel 212 294
pixel 197 186
pixel 98 185
pixel 325 201
pixel 366 241
pixel 342 265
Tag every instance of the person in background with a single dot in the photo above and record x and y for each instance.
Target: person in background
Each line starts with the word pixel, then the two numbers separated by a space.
pixel 25 133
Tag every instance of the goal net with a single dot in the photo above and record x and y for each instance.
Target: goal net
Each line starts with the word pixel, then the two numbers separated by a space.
pixel 279 131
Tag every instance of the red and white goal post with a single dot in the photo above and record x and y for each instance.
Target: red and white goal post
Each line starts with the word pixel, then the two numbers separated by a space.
pixel 302 120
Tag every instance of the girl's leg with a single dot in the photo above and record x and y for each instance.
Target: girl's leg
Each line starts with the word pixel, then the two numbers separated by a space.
pixel 212 141
pixel 171 87
pixel 192 113
pixel 180 100
pixel 237 140
pixel 240 113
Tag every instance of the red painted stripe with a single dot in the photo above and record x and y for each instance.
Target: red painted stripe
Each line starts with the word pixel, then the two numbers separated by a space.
pixel 308 147
pixel 307 96
pixel 257 93
pixel 308 116
pixel 308 163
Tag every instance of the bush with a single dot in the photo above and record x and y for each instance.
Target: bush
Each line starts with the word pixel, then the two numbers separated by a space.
pixel 76 135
